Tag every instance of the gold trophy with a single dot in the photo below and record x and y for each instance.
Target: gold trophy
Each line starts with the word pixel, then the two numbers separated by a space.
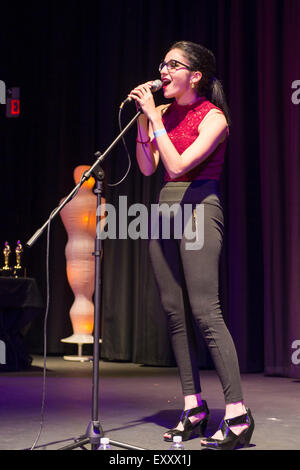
pixel 6 271
pixel 18 269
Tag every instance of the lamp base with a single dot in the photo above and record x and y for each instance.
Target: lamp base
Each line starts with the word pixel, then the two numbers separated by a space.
pixel 79 358
pixel 80 340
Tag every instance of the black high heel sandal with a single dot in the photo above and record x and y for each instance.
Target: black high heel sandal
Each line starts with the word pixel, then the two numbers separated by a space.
pixel 232 441
pixel 189 429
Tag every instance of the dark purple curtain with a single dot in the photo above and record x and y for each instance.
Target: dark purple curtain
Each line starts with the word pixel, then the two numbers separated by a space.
pixel 279 124
pixel 75 63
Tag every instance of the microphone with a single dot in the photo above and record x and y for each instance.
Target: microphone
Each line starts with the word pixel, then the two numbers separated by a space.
pixel 156 85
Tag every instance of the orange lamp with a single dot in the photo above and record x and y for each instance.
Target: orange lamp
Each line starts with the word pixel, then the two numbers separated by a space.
pixel 79 219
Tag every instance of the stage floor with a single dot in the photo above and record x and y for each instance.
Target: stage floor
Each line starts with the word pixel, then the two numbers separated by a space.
pixel 136 404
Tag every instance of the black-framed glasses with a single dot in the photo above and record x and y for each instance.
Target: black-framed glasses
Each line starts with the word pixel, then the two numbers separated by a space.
pixel 173 65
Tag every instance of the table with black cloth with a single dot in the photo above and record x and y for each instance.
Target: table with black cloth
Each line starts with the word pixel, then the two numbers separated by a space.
pixel 20 303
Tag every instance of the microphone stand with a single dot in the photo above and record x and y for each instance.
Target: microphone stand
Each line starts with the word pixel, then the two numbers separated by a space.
pixel 84 178
pixel 94 430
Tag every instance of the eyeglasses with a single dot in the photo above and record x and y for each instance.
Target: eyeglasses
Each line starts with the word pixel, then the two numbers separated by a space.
pixel 173 65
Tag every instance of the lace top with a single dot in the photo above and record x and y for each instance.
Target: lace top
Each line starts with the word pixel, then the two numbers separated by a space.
pixel 181 123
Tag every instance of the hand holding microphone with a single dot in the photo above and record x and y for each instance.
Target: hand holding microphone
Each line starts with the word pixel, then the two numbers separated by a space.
pixel 142 94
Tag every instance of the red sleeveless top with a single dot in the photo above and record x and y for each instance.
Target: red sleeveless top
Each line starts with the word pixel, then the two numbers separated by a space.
pixel 181 123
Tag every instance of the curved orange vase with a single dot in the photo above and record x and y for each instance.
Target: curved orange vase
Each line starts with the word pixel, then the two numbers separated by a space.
pixel 79 219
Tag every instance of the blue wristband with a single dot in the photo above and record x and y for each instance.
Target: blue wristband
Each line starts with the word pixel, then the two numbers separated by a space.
pixel 159 132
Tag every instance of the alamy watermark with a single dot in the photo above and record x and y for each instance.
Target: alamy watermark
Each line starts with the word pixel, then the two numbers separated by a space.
pixel 163 221
pixel 296 94
pixel 2 352
pixel 295 358
pixel 2 92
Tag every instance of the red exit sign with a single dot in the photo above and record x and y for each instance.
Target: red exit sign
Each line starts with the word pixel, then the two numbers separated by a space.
pixel 12 108
pixel 13 102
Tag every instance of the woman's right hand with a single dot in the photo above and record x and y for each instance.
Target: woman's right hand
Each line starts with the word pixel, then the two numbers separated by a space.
pixel 144 99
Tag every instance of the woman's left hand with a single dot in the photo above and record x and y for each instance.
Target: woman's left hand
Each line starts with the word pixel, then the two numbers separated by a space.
pixel 144 98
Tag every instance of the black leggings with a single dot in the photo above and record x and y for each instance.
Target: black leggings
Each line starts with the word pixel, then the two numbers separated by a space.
pixel 177 269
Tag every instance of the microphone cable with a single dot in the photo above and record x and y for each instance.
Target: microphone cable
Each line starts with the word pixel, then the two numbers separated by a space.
pixel 157 84
pixel 126 150
pixel 42 414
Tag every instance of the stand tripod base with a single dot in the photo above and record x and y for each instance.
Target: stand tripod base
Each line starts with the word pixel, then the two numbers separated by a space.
pixel 81 442
pixel 93 435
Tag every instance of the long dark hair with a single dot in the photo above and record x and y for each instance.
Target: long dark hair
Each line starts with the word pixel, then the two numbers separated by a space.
pixel 203 60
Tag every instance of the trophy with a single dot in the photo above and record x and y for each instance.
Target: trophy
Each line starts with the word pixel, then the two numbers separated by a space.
pixel 6 270
pixel 18 269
